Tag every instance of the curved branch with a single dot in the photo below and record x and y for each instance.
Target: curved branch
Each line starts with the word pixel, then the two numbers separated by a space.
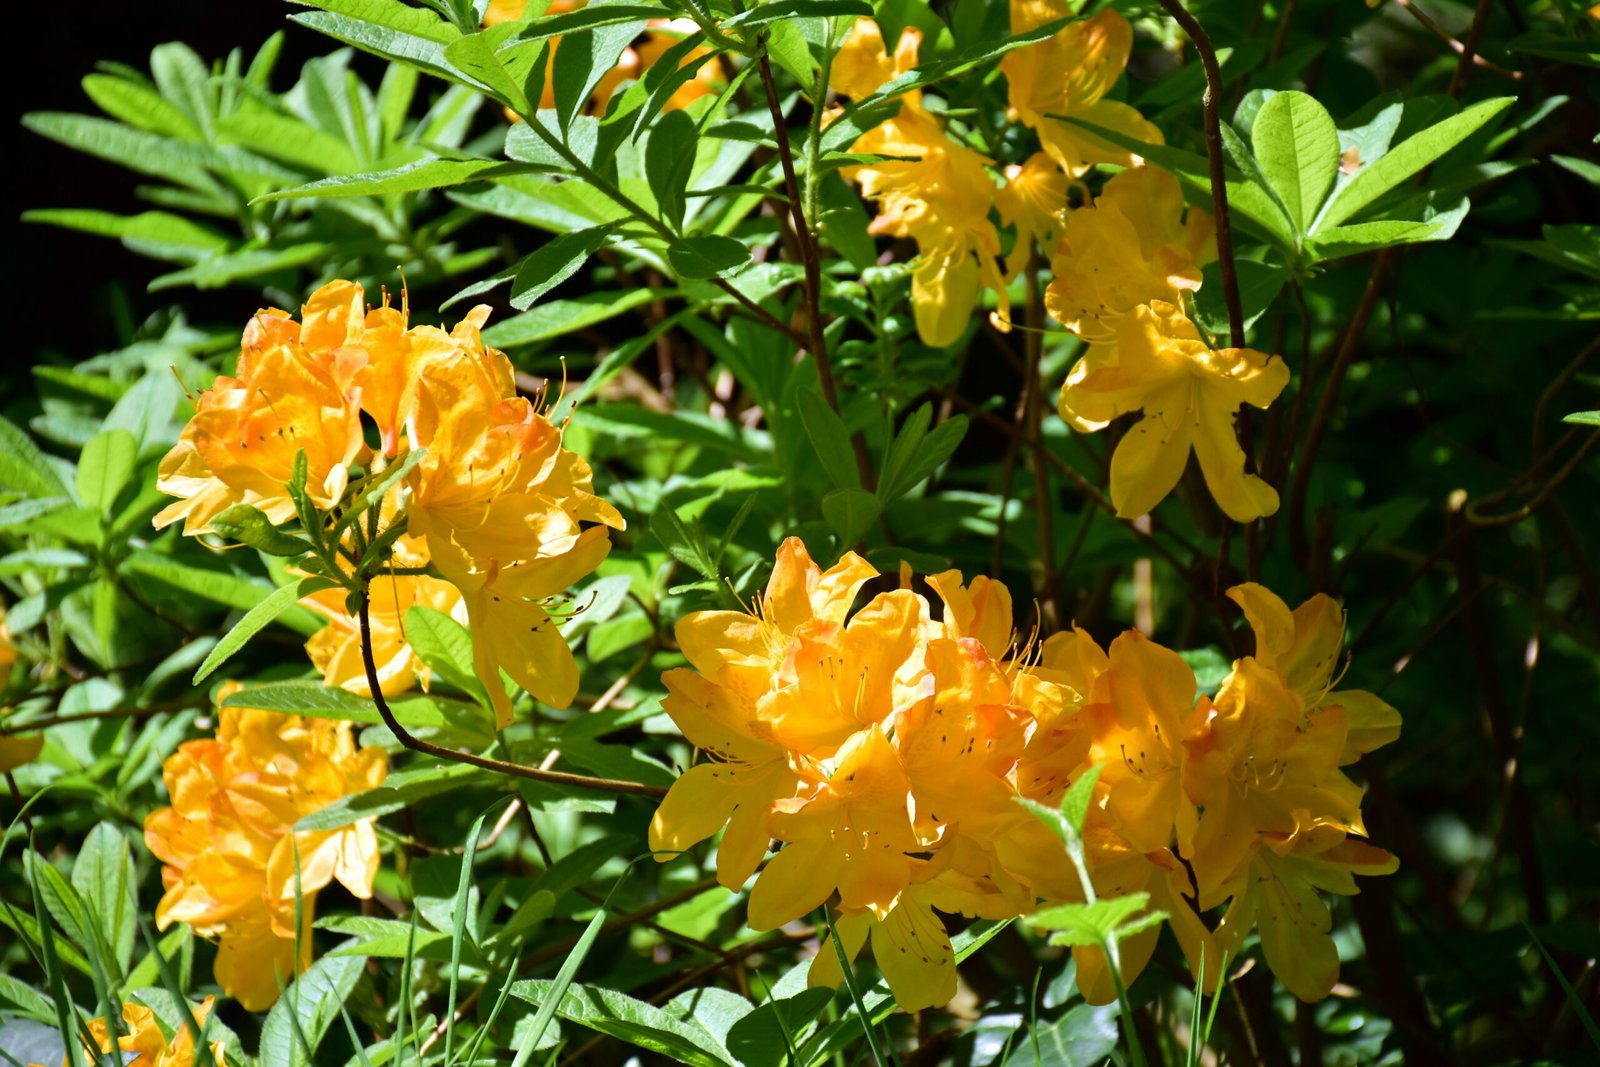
pixel 1211 103
pixel 515 770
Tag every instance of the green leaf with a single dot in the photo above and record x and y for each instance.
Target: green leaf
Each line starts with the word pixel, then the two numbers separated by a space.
pixel 275 604
pixel 830 438
pixel 1359 237
pixel 583 59
pixel 1297 145
pixel 139 105
pixel 104 877
pixel 23 467
pixel 591 17
pixel 1406 159
pixel 706 256
pixel 1259 285
pixel 788 10
pixel 306 1009
pixel 326 702
pixel 410 178
pixel 850 512
pixel 1085 1035
pixel 445 646
pixel 154 233
pixel 686 543
pixel 669 155
pixel 475 57
pixel 1584 418
pixel 553 263
pixel 1107 919
pixel 400 790
pixel 227 589
pixel 1075 804
pixel 166 158
pixel 250 526
pixel 910 461
pixel 104 468
pixel 560 317
pixel 633 1021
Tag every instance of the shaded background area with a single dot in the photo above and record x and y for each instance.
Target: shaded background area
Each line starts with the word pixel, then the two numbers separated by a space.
pixel 62 286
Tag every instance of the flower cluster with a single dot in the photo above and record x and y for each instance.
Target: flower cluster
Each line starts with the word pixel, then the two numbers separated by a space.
pixel 144 1044
pixel 1121 273
pixel 233 862
pixel 495 506
pixel 1121 267
pixel 938 192
pixel 886 748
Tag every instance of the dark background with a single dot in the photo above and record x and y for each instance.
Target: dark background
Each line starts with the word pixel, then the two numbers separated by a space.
pixel 59 284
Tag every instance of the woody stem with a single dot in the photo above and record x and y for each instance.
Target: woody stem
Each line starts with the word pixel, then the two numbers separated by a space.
pixel 1210 104
pixel 811 260
pixel 516 770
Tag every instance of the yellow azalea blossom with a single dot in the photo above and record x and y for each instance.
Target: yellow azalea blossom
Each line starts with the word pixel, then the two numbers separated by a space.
pixel 17 749
pixel 1190 395
pixel 1068 76
pixel 240 446
pixel 1277 893
pixel 501 508
pixel 934 191
pixel 1303 647
pixel 1139 716
pixel 1033 200
pixel 736 658
pixel 231 858
pixel 1134 246
pixel 142 1042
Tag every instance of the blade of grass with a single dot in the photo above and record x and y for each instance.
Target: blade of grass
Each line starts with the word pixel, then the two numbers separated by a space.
pixel 855 991
pixel 1577 1005
pixel 355 1041
pixel 66 1010
pixel 463 888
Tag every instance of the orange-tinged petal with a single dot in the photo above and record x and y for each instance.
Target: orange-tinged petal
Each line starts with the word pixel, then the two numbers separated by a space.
pixel 852 931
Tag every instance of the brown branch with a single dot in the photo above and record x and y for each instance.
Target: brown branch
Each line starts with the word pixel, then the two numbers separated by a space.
pixel 1456 46
pixel 1043 504
pixel 1469 50
pixel 515 770
pixel 811 260
pixel 1211 102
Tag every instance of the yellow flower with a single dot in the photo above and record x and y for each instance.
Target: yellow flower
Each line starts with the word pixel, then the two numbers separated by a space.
pixel 1277 892
pixel 934 191
pixel 1303 647
pixel 500 506
pixel 144 1045
pixel 228 846
pixel 17 749
pixel 719 707
pixel 1068 75
pixel 1134 246
pixel 1034 201
pixel 240 446
pixel 1190 395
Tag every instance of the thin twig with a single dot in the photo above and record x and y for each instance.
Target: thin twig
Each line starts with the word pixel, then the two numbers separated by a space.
pixel 1211 104
pixel 1043 498
pixel 516 770
pixel 811 260
pixel 1456 46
